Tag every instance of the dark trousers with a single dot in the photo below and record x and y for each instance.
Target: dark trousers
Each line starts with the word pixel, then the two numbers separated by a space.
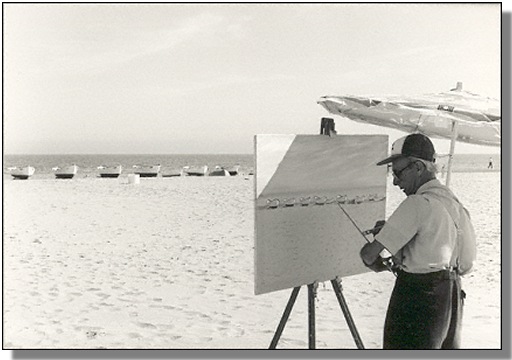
pixel 424 312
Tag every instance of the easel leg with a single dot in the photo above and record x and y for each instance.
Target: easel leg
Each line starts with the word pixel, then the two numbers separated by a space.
pixel 311 308
pixel 348 317
pixel 284 318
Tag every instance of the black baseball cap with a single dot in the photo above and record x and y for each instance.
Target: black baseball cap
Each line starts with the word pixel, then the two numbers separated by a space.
pixel 415 145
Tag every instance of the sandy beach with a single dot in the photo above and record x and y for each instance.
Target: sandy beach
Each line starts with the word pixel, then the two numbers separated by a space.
pixel 169 264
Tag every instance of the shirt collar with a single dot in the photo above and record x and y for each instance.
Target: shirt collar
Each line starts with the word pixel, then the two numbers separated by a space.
pixel 434 183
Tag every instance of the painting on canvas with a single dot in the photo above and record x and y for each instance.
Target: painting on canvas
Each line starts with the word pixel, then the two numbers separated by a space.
pixel 312 193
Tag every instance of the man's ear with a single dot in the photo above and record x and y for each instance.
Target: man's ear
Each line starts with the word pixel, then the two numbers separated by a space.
pixel 420 166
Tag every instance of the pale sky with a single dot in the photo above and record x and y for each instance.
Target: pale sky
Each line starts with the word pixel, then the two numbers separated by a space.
pixel 190 78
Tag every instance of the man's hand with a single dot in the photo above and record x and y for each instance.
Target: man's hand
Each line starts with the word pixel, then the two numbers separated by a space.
pixel 378 225
pixel 379 265
pixel 371 258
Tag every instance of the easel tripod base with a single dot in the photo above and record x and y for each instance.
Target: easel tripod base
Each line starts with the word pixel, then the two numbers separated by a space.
pixel 336 284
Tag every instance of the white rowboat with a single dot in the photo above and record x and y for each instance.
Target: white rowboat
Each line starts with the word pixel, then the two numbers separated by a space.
pixel 22 173
pixel 197 170
pixel 174 172
pixel 110 171
pixel 219 171
pixel 147 171
pixel 67 172
pixel 233 170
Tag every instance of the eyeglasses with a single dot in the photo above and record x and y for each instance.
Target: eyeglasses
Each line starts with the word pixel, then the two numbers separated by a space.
pixel 398 173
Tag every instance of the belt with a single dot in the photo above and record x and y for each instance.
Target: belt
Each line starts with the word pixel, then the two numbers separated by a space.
pixel 451 274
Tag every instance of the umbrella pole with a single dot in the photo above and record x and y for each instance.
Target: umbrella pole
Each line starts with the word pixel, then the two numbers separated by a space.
pixel 452 150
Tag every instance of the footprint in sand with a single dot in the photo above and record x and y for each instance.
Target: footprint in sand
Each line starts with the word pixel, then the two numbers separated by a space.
pixel 295 343
pixel 230 331
pixel 103 295
pixel 166 326
pixel 145 325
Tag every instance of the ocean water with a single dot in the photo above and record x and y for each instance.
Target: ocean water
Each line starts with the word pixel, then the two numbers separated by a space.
pixel 88 163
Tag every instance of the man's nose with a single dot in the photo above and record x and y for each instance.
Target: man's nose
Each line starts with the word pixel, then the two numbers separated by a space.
pixel 396 180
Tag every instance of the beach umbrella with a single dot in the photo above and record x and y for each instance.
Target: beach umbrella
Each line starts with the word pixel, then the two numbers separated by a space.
pixel 457 115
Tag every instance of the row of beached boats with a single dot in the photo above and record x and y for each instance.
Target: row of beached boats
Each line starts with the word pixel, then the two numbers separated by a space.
pixel 154 171
pixel 23 173
pixel 69 172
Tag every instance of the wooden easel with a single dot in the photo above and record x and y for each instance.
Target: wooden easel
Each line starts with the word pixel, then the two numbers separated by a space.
pixel 326 128
pixel 336 284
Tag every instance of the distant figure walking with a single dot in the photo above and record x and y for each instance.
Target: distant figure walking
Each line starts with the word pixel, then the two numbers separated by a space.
pixel 491 165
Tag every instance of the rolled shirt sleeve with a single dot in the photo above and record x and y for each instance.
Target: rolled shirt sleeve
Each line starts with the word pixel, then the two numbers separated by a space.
pixel 402 225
